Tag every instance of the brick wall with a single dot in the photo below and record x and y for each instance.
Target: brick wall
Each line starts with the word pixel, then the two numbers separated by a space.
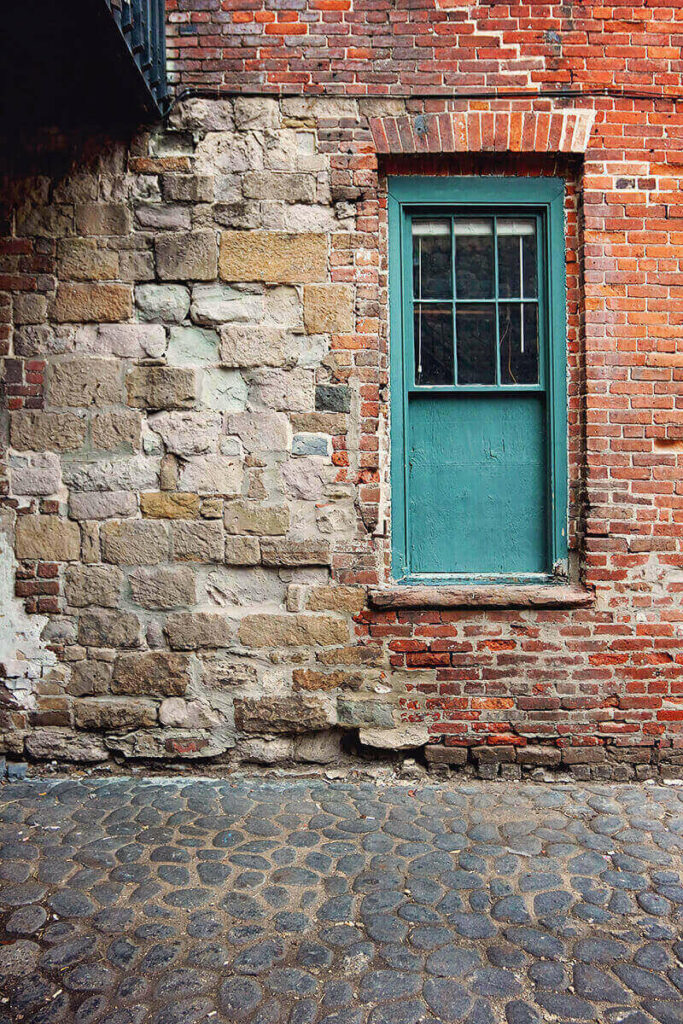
pixel 198 411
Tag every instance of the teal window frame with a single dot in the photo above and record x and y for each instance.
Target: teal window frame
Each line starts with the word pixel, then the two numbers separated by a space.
pixel 445 196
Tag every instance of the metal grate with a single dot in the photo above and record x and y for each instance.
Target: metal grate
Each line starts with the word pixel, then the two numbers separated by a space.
pixel 142 24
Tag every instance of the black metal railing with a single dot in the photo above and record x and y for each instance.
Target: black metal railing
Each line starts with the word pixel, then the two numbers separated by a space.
pixel 142 24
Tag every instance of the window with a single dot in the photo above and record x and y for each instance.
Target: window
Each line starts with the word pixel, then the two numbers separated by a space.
pixel 479 478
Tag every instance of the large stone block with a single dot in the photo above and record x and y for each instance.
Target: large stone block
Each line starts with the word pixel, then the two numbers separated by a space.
pixel 87 585
pixel 65 745
pixel 38 474
pixel 161 387
pixel 85 382
pixel 212 474
pixel 292 714
pixel 89 678
pixel 192 346
pixel 333 398
pixel 257 519
pixel 163 303
pixel 129 341
pixel 251 345
pixel 219 304
pixel 163 588
pixel 403 737
pixel 93 303
pixel 309 679
pixel 187 433
pixel 187 631
pixel 355 712
pixel 80 259
pixel 292 553
pixel 186 255
pixel 135 542
pixel 292 630
pixel 153 674
pixel 99 628
pixel 102 219
pixel 102 504
pixel 136 473
pixel 242 551
pixel 256 113
pixel 47 431
pixel 187 188
pixel 262 431
pixel 169 505
pixel 47 538
pixel 273 257
pixel 328 308
pixel 224 390
pixel 112 715
pixel 278 186
pixel 337 599
pixel 197 542
pixel 116 431
pixel 289 390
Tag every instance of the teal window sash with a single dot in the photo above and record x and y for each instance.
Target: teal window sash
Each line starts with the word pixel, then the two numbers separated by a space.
pixel 498 196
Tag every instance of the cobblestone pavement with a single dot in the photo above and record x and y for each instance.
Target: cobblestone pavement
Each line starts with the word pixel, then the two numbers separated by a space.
pixel 292 902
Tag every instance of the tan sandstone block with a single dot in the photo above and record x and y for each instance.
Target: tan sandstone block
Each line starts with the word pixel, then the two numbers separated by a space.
pixel 252 517
pixel 186 256
pixel 80 259
pixel 47 537
pixel 47 431
pixel 161 387
pixel 187 631
pixel 291 714
pixel 328 308
pixel 274 257
pixel 85 382
pixel 308 679
pixel 116 715
pixel 169 505
pixel 102 219
pixel 251 345
pixel 135 542
pixel 242 551
pixel 292 630
pixel 337 599
pixel 164 588
pixel 290 553
pixel 153 674
pixel 87 585
pixel 116 431
pixel 93 303
pixel 197 541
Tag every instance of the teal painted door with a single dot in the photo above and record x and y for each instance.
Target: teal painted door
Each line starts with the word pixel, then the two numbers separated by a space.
pixel 474 430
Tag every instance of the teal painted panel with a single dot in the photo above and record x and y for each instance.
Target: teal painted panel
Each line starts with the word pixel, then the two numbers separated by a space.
pixel 477 483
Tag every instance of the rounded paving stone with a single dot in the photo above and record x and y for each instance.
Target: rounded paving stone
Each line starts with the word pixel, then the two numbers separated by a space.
pixel 446 998
pixel 26 920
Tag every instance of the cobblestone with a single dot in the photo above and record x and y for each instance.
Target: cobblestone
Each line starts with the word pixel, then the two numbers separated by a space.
pixel 255 901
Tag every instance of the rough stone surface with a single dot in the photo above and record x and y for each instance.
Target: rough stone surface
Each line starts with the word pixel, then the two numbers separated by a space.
pixel 86 585
pixel 256 518
pixel 163 588
pixel 168 303
pixel 161 387
pixel 274 257
pixel 93 303
pixel 280 714
pixel 328 308
pixel 47 537
pixel 47 431
pixel 85 382
pixel 134 542
pixel 155 673
pixel 292 630
pixel 186 256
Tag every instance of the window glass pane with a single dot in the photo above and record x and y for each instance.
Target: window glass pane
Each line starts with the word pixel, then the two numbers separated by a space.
pixel 432 275
pixel 517 257
pixel 476 337
pixel 518 343
pixel 433 343
pixel 474 258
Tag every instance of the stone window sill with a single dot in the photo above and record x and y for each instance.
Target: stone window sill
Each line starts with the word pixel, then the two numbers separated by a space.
pixel 538 595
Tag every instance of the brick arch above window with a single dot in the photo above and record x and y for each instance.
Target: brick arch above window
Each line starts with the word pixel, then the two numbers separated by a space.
pixel 478 131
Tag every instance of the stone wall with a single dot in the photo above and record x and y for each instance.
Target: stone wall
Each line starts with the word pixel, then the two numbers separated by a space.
pixel 197 485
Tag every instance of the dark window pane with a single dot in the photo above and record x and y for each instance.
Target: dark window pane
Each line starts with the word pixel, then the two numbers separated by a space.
pixel 516 257
pixel 518 343
pixel 474 258
pixel 433 344
pixel 476 337
pixel 432 274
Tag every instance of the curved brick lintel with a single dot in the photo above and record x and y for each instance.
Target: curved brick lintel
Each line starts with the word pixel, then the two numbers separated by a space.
pixel 478 131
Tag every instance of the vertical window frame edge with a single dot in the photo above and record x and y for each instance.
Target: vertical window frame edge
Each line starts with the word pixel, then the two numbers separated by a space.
pixel 541 192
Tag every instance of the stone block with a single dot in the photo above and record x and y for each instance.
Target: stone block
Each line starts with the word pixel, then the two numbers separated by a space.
pixel 80 259
pixel 251 345
pixel 169 505
pixel 177 713
pixel 112 715
pixel 102 504
pixel 337 599
pixel 38 474
pixel 186 255
pixel 403 737
pixel 224 390
pixel 288 390
pixel 187 188
pixel 309 679
pixel 187 433
pixel 47 538
pixel 536 754
pixel 279 186
pixel 252 517
pixel 163 588
pixel 291 553
pixel 502 753
pixel 262 431
pixel 85 382
pixel 87 585
pixel 211 474
pixel 47 431
pixel 93 303
pixel 164 303
pixel 135 542
pixel 102 219
pixel 437 753
pixel 89 678
pixel 583 755
pixel 129 341
pixel 133 473
pixel 65 745
pixel 187 631
pixel 311 444
pixel 333 398
pixel 242 551
pixel 256 113
pixel 161 387
pixel 375 713
pixel 137 265
pixel 355 654
pixel 273 257
pixel 163 216
pixel 203 114
pixel 292 714
pixel 152 674
pixel 99 628
pixel 328 308
pixel 192 346
pixel 29 308
pixel 301 630
pixel 219 303
pixel 197 542
pixel 116 431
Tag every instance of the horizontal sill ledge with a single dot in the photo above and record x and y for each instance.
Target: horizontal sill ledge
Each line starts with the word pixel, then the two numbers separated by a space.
pixel 538 595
